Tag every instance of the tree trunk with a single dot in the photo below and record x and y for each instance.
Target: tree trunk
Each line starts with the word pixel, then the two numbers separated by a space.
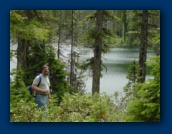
pixel 22 50
pixel 59 33
pixel 58 50
pixel 143 46
pixel 72 58
pixel 97 53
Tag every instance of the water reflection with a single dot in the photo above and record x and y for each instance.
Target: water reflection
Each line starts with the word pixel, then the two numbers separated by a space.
pixel 117 61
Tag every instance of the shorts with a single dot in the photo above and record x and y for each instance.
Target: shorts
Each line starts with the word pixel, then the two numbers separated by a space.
pixel 41 100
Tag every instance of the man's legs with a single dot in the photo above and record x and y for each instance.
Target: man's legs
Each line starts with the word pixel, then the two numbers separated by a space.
pixel 41 100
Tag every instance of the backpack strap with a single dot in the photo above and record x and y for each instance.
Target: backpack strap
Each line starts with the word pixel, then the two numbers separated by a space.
pixel 40 78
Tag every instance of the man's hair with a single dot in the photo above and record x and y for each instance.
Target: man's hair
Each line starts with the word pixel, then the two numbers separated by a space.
pixel 44 66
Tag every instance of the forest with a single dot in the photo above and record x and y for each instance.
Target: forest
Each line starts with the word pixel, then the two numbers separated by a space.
pixel 41 35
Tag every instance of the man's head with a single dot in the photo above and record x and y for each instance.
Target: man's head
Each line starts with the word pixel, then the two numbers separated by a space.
pixel 45 70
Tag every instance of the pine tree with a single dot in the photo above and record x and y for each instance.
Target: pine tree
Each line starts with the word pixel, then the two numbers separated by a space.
pixel 133 77
pixel 143 46
pixel 98 35
pixel 145 106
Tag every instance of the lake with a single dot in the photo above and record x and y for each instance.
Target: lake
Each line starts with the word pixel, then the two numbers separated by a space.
pixel 117 61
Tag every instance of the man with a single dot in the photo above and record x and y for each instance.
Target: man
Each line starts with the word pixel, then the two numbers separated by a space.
pixel 43 91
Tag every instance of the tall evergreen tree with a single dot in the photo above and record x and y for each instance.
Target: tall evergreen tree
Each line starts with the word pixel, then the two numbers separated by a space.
pixel 143 45
pixel 97 52
pixel 98 34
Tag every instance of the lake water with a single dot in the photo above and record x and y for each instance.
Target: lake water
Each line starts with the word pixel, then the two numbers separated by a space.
pixel 117 60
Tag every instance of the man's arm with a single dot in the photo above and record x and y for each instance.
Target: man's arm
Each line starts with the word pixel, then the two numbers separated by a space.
pixel 34 87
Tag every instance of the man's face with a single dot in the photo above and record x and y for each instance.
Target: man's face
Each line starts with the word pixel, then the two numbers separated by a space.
pixel 45 70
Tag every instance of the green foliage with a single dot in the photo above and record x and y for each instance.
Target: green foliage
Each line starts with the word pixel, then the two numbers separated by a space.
pixel 88 64
pixel 58 79
pixel 113 41
pixel 73 108
pixel 91 16
pixel 154 39
pixel 134 27
pixel 24 111
pixel 133 71
pixel 154 63
pixel 16 20
pixel 12 54
pixel 37 31
pixel 18 79
pixel 24 25
pixel 20 100
pixel 107 15
pixel 154 36
pixel 37 57
pixel 145 106
pixel 106 33
pixel 132 76
pixel 133 38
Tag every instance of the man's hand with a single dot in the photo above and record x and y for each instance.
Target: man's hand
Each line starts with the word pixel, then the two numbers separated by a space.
pixel 49 100
pixel 46 91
